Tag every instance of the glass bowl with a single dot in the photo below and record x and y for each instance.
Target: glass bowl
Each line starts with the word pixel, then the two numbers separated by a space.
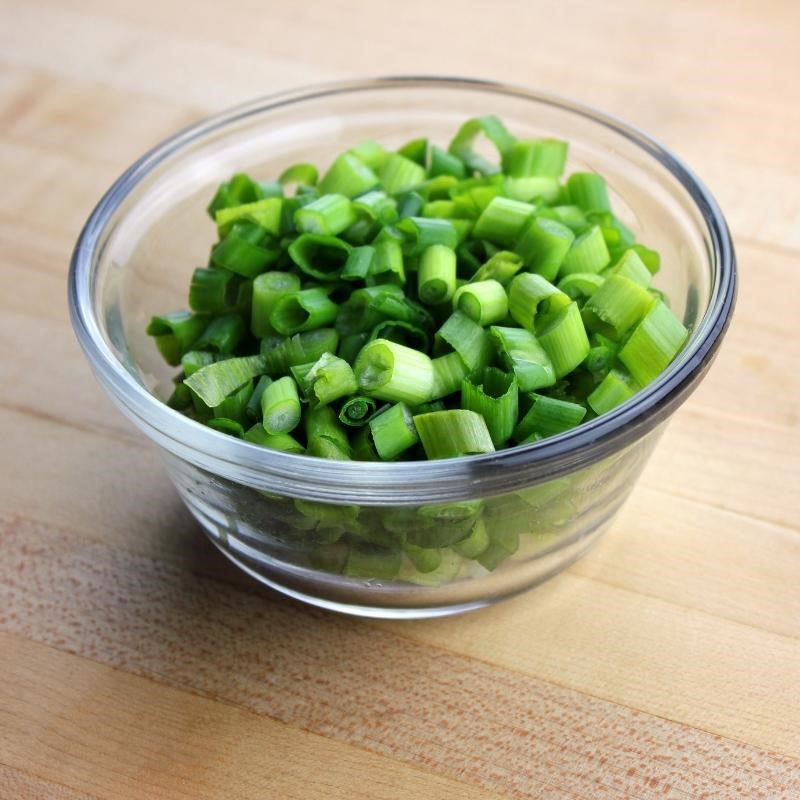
pixel 337 534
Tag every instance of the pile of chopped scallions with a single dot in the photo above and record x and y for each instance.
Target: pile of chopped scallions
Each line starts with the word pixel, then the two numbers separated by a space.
pixel 418 303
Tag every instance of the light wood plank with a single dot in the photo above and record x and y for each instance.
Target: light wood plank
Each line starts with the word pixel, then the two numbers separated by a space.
pixel 20 785
pixel 118 736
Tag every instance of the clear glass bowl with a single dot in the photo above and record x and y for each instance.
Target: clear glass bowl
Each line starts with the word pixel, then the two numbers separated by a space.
pixel 334 533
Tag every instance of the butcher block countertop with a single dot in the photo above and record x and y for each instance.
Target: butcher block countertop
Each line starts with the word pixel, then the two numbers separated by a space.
pixel 136 663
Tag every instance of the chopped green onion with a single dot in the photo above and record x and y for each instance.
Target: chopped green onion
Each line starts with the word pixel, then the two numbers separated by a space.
pixel 409 204
pixel 616 307
pixel 230 426
pixel 462 143
pixel 274 441
pixel 496 400
pixel 325 435
pixel 267 288
pixel 548 416
pixel 500 267
pixel 357 410
pixel 521 352
pixel 322 257
pixel 536 157
pixel 358 263
pixel 330 378
pixel 175 333
pixel 503 220
pixel 253 409
pixel 387 263
pixel 302 348
pixel 436 278
pixel 631 266
pixel 564 340
pixel 530 189
pixel 650 258
pixel 393 431
pixel 306 310
pixel 580 285
pixel 264 213
pixel 476 543
pixel 406 333
pixel 214 382
pixel 371 152
pixel 399 174
pixel 617 387
pixel 485 302
pixel 416 150
pixel 213 290
pixel 447 434
pixel 587 190
pixel 448 373
pixel 444 163
pixel 588 253
pixel 532 300
pixel 243 250
pixel 420 233
pixel 348 175
pixel 234 406
pixel 222 335
pixel 239 189
pixel 304 174
pixel 373 561
pixel 361 311
pixel 195 360
pixel 327 215
pixel 543 245
pixel 655 341
pixel 377 206
pixel 280 406
pixel 389 371
pixel 424 559
pixel 181 397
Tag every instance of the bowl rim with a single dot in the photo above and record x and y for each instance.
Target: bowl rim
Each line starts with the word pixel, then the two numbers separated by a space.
pixel 369 483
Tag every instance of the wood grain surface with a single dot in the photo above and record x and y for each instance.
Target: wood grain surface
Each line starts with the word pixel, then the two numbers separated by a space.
pixel 135 663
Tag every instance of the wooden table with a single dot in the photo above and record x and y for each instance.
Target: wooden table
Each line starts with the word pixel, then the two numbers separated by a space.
pixel 136 664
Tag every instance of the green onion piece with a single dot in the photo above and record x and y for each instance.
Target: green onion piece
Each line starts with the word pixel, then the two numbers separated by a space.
pixel 303 174
pixel 210 290
pixel 357 411
pixel 521 352
pixel 267 288
pixel 280 406
pixel 373 561
pixel 650 258
pixel 439 188
pixel 195 360
pixel 362 447
pixel 214 382
pixel 503 543
pixel 371 152
pixel 234 406
pixel 548 416
pixel 360 311
pixel 588 253
pixel 253 408
pixel 302 348
pixel 587 190
pixel 387 263
pixel 393 431
pixel 530 189
pixel 305 310
pixel 325 435
pixel 616 307
pixel 543 245
pixel 274 441
pixel 448 372
pixel 617 387
pixel 390 371
pixel 181 397
pixel 322 257
pixel 436 278
pixel 330 378
pixel 265 213
pixel 496 400
pixel 442 209
pixel 601 358
pixel 243 250
pixel 501 267
pixel 358 263
pixel 399 174
pixel 406 333
pixel 580 285
pixel 655 341
pixel 564 340
pixel 534 301
pixel 485 302
pixel 416 150
pixel 462 143
pixel 631 266
pixel 348 175
pixel 222 335
pixel 300 374
pixel 468 339
pixel 424 559
pixel 536 157
pixel 377 206
pixel 420 233
pixel 409 204
pixel 175 333
pixel 239 189
pixel 425 408
pixel 571 216
pixel 503 220
pixel 444 163
pixel 224 425
pixel 350 345
pixel 327 215
pixel 476 543
pixel 447 434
